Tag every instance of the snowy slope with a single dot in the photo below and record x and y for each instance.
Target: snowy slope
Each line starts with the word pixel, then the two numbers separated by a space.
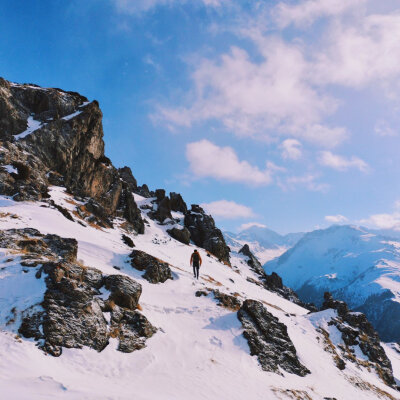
pixel 358 266
pixel 263 242
pixel 199 351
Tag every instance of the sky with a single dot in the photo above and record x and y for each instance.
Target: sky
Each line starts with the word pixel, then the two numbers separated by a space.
pixel 284 114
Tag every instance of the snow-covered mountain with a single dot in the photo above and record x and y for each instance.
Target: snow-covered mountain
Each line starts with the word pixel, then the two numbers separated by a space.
pixel 263 242
pixel 357 265
pixel 98 301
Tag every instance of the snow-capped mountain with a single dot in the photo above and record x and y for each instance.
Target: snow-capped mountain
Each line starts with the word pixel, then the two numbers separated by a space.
pixel 357 265
pixel 263 242
pixel 98 300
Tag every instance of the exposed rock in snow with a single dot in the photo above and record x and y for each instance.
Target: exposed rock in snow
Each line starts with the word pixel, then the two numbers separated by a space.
pixel 269 340
pixel 182 235
pixel 157 271
pixel 204 233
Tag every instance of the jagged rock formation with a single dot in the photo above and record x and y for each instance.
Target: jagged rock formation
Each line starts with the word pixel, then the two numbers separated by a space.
pixel 272 282
pixel 177 203
pixel 205 234
pixel 268 339
pixel 71 313
pixel 357 330
pixel 252 260
pixel 66 148
pixel 157 271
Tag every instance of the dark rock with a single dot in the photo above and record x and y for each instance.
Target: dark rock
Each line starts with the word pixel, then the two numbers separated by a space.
pixel 182 235
pixel 126 174
pixel 131 211
pixel 272 282
pixel 62 210
pixel 357 330
pixel 128 241
pixel 160 195
pixel 204 233
pixel 133 329
pixel 125 292
pixel 200 293
pixel 99 211
pixel 252 261
pixel 157 271
pixel 144 191
pixel 163 210
pixel 71 314
pixel 177 203
pixel 268 339
pixel 226 300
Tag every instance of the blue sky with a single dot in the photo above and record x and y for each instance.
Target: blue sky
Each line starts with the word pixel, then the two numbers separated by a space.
pixel 281 113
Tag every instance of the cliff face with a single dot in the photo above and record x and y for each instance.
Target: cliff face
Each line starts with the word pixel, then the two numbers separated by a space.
pixel 50 136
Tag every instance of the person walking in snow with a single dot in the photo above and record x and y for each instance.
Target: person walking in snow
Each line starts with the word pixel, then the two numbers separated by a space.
pixel 196 261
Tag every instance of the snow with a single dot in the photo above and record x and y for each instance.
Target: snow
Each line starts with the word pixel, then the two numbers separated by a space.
pixel 33 126
pixel 10 169
pixel 199 351
pixel 70 116
pixel 358 262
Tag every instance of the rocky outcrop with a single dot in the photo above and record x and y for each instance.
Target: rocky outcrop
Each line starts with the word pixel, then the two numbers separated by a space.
pixel 252 260
pixel 205 234
pixel 71 314
pixel 356 330
pixel 156 271
pixel 181 235
pixel 272 282
pixel 177 203
pixel 268 340
pixel 231 302
pixel 50 136
pixel 125 292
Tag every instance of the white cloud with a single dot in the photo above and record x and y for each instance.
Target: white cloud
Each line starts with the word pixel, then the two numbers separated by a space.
pixel 309 181
pixel 306 12
pixel 227 209
pixel 262 100
pixel 139 6
pixel 328 159
pixel 336 219
pixel 382 128
pixel 248 225
pixel 208 160
pixel 383 221
pixel 291 149
pixel 361 52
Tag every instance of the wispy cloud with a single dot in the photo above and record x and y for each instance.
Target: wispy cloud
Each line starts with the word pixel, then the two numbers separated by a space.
pixel 248 225
pixel 308 181
pixel 328 159
pixel 305 13
pixel 207 160
pixel 134 7
pixel 291 149
pixel 336 219
pixel 383 221
pixel 382 128
pixel 226 209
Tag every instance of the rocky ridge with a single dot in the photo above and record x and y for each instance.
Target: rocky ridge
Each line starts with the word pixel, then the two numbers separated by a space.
pixel 72 312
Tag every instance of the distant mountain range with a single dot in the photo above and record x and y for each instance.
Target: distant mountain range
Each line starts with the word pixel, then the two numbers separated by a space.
pixel 264 243
pixel 359 266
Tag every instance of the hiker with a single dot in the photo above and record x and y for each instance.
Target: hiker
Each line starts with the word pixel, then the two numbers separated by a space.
pixel 196 261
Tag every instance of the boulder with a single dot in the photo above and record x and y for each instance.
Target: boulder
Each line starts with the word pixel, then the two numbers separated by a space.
pixel 268 339
pixel 125 292
pixel 252 261
pixel 156 271
pixel 182 235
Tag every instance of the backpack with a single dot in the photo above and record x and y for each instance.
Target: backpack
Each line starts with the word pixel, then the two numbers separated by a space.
pixel 196 259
